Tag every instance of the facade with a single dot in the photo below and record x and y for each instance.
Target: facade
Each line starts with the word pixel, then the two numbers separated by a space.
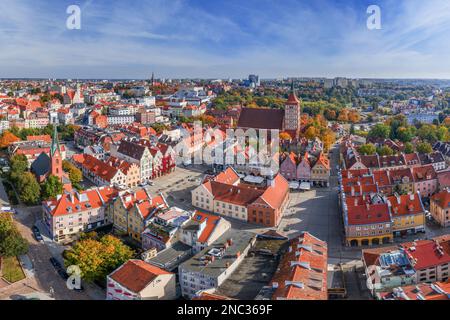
pixel 227 196
pixel 440 208
pixel 408 214
pixel 425 180
pixel 139 280
pixel 320 172
pixel 131 212
pixel 99 172
pixel 74 212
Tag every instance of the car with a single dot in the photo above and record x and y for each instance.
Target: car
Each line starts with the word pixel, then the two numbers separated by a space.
pixel 37 234
pixel 142 184
pixel 55 263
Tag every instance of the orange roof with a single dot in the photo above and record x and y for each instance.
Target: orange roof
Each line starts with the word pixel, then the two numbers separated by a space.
pixel 73 202
pixel 406 204
pixel 136 275
pixel 95 166
pixel 302 272
pixel 421 291
pixel 211 222
pixel 144 202
pixel 442 199
pixel 276 194
pixel 44 137
pixel 323 161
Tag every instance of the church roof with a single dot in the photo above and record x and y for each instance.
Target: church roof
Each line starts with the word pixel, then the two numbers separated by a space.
pixel 55 143
pixel 261 118
pixel 41 166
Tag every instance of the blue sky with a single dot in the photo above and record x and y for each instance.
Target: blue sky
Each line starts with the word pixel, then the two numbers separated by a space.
pixel 224 38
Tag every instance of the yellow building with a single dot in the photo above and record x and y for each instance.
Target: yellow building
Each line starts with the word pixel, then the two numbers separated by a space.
pixel 132 210
pixel 408 214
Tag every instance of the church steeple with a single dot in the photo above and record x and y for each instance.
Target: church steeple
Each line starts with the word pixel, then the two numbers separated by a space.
pixel 55 142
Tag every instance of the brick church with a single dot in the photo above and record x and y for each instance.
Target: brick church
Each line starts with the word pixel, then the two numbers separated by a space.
pixel 287 120
pixel 46 165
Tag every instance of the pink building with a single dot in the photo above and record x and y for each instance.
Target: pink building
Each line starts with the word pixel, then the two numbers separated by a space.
pixel 304 169
pixel 288 168
pixel 425 180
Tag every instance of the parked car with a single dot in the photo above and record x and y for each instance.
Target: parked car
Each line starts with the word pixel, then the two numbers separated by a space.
pixel 37 234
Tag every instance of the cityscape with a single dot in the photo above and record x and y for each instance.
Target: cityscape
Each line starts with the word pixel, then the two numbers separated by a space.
pixel 236 188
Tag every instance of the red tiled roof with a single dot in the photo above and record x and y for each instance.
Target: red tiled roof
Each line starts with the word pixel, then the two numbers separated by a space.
pixel 302 272
pixel 442 199
pixel 426 253
pixel 409 204
pixel 136 275
pixel 424 173
pixel 444 178
pixel 211 222
pixel 95 166
pixel 368 214
pixel 421 291
pixel 93 198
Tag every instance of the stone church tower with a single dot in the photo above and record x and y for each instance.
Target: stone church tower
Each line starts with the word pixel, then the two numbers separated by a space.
pixel 56 157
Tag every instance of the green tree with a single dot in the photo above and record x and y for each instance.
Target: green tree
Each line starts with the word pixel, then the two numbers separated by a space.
pixel 97 258
pixel 409 148
pixel 367 149
pixel 19 165
pixel 424 147
pixel 385 151
pixel 51 187
pixel 28 189
pixel 427 132
pixel 380 131
pixel 11 241
pixel 75 174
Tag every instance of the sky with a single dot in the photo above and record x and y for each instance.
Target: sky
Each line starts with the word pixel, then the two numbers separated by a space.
pixel 224 39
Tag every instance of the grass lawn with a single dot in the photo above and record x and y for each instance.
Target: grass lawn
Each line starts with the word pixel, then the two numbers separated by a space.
pixel 11 270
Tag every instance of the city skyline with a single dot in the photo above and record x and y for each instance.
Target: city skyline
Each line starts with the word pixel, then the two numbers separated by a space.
pixel 197 39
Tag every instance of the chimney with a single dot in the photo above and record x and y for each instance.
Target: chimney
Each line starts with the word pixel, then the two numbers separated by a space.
pixel 356 202
pixel 353 191
pixel 411 197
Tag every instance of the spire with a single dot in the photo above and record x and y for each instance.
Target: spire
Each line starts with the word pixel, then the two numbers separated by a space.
pixel 55 142
pixel 292 99
pixel 292 86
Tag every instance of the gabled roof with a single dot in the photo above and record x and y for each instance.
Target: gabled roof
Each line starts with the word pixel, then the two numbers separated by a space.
pixel 368 214
pixel 405 204
pixel 423 173
pixel 95 166
pixel 41 166
pixel 131 149
pixel 136 275
pixel 73 202
pixel 261 118
pixel 302 272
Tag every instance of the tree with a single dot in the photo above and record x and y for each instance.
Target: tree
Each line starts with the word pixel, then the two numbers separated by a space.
pixel 367 149
pixel 409 148
pixel 424 147
pixel 310 133
pixel 75 174
pixel 380 131
pixel 405 134
pixel 11 241
pixel 285 136
pixel 51 187
pixel 427 132
pixel 19 164
pixel 28 188
pixel 7 138
pixel 97 258
pixel 385 151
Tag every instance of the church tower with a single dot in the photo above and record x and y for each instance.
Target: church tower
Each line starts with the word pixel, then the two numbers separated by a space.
pixel 55 156
pixel 292 114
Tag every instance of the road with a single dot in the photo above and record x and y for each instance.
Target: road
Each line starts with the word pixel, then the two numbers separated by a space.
pixel 46 279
